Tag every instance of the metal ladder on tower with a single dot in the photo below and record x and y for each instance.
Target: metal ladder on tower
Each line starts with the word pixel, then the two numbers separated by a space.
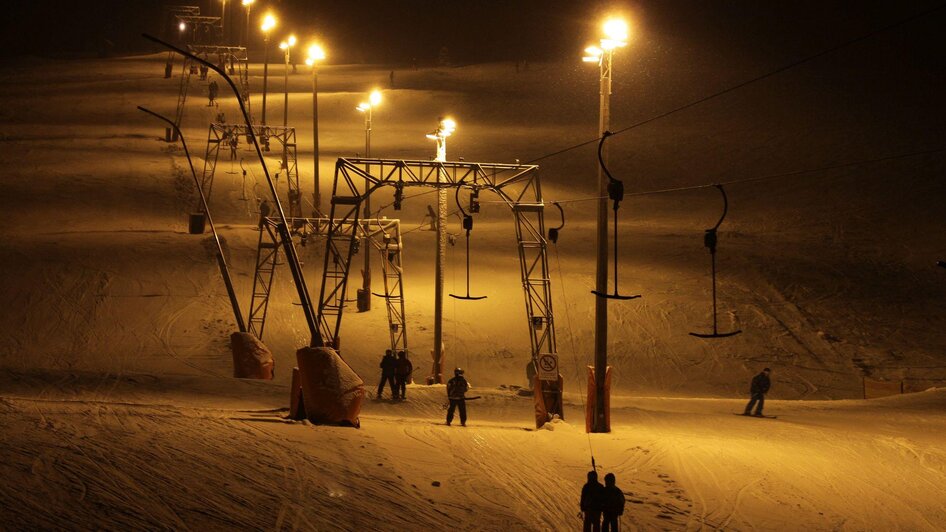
pixel 267 255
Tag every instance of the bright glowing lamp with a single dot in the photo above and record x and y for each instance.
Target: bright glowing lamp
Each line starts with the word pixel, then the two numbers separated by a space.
pixel 292 40
pixel 248 2
pixel 594 54
pixel 269 22
pixel 448 126
pixel 316 53
pixel 182 26
pixel 375 97
pixel 616 30
pixel 363 107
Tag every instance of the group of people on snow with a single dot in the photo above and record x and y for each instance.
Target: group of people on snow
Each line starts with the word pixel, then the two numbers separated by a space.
pixel 601 506
pixel 395 371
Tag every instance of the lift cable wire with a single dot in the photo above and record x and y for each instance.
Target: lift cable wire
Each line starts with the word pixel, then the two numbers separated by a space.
pixel 756 79
pixel 791 173
pixel 553 236
pixel 765 177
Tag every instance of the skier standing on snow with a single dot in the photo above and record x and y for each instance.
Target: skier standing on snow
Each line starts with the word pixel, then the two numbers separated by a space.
pixel 388 367
pixel 456 393
pixel 592 494
pixel 760 386
pixel 402 373
pixel 212 92
pixel 613 504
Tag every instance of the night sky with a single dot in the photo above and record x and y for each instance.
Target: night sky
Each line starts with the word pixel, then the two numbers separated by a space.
pixel 398 32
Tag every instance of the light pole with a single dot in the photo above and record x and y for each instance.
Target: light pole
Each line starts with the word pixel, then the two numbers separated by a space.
pixel 615 32
pixel 286 47
pixel 223 20
pixel 269 22
pixel 248 4
pixel 316 54
pixel 445 128
pixel 374 99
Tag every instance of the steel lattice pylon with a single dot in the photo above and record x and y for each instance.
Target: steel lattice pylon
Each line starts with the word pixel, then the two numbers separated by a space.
pixel 286 136
pixel 383 234
pixel 234 56
pixel 517 185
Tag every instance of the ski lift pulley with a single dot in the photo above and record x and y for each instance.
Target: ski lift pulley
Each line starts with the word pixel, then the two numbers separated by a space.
pixel 468 227
pixel 710 240
pixel 616 195
pixel 398 194
pixel 553 231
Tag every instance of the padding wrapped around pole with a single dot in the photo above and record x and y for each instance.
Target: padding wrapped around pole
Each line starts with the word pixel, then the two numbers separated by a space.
pixel 548 399
pixel 332 392
pixel 251 359
pixel 590 404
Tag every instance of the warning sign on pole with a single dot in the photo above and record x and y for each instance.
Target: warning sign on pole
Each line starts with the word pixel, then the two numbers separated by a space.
pixel 548 367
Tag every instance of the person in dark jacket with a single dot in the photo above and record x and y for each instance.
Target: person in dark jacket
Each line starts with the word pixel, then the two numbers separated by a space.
pixel 402 373
pixel 592 494
pixel 388 367
pixel 613 504
pixel 456 393
pixel 212 92
pixel 760 386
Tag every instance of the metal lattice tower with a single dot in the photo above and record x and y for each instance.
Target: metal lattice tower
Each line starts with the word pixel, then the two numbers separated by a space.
pixel 517 185
pixel 200 29
pixel 384 235
pixel 226 56
pixel 286 136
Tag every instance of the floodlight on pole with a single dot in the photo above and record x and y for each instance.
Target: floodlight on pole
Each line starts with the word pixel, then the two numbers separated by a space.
pixel 223 20
pixel 182 26
pixel 445 128
pixel 248 4
pixel 364 294
pixel 316 54
pixel 269 22
pixel 615 36
pixel 286 47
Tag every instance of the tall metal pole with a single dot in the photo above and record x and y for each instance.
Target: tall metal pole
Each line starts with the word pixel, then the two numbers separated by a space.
pixel 223 23
pixel 265 78
pixel 601 245
pixel 316 195
pixel 246 37
pixel 366 273
pixel 285 107
pixel 440 261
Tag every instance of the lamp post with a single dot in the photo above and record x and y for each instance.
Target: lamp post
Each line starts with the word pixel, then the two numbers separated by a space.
pixel 223 20
pixel 445 128
pixel 286 47
pixel 374 99
pixel 316 54
pixel 615 32
pixel 248 4
pixel 269 22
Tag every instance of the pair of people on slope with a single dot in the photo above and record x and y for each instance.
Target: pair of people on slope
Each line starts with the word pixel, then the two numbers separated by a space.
pixel 599 502
pixel 396 372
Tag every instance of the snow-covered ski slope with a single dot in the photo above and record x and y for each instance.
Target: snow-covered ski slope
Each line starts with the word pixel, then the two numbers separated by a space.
pixel 117 405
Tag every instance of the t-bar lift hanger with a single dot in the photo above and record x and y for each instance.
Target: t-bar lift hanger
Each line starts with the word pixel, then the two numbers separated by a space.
pixel 468 226
pixel 616 194
pixel 709 240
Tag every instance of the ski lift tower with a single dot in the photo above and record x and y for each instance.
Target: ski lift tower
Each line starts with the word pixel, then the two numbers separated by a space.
pixel 517 185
